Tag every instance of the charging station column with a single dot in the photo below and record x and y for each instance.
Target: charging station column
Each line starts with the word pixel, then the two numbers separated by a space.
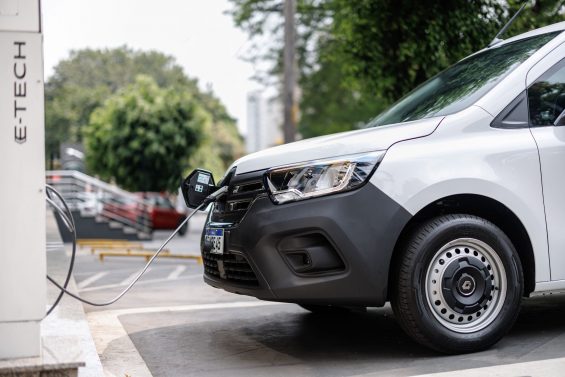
pixel 22 179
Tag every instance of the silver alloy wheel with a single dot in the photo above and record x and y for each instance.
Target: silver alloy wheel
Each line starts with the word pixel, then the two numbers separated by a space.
pixel 466 285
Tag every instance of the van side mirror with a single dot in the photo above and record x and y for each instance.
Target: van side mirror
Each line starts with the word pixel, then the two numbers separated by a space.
pixel 197 186
pixel 560 121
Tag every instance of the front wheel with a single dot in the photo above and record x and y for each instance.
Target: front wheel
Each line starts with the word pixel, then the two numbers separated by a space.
pixel 458 284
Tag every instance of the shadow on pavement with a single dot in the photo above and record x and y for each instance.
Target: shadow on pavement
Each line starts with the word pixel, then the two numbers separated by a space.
pixel 286 340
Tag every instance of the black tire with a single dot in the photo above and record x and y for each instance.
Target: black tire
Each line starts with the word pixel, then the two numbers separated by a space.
pixel 184 229
pixel 413 297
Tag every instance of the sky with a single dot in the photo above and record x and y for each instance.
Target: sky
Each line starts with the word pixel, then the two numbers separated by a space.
pixel 198 33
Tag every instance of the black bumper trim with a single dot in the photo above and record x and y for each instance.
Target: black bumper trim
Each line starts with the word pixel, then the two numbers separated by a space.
pixel 363 227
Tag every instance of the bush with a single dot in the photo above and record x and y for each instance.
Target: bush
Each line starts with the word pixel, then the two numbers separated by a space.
pixel 143 136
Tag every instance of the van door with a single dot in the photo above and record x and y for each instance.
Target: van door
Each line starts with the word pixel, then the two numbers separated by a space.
pixel 546 101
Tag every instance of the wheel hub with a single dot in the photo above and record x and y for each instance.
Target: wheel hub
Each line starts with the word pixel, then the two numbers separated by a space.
pixel 465 285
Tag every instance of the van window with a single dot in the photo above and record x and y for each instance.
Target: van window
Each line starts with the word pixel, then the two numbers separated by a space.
pixel 462 84
pixel 546 97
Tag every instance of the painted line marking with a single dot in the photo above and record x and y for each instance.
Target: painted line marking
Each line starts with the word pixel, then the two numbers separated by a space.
pixel 54 245
pixel 119 270
pixel 539 368
pixel 143 282
pixel 183 308
pixel 107 331
pixel 176 272
pixel 86 282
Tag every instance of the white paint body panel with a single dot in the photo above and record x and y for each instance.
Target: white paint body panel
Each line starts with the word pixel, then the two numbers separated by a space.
pixel 466 156
pixel 460 153
pixel 551 144
pixel 340 144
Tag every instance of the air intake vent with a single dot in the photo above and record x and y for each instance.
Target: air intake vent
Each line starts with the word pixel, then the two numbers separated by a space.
pixel 230 267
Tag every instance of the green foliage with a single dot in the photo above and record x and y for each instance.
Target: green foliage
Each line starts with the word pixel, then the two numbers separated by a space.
pixel 389 47
pixel 143 136
pixel 329 105
pixel 217 150
pixel 116 68
pixel 537 13
pixel 67 110
pixel 83 82
pixel 357 57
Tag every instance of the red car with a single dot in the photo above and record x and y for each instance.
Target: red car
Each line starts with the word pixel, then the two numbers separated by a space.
pixel 160 211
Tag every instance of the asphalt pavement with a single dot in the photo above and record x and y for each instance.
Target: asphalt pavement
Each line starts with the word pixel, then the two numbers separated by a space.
pixel 172 324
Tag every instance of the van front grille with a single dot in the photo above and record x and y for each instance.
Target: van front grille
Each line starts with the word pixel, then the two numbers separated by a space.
pixel 230 267
pixel 243 190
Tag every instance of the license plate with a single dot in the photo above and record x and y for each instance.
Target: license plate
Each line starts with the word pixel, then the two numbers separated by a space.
pixel 216 236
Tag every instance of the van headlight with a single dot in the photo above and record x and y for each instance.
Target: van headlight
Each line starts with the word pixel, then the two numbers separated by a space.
pixel 321 177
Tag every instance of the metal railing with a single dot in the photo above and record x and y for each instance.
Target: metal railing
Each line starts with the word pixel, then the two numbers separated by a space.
pixel 92 197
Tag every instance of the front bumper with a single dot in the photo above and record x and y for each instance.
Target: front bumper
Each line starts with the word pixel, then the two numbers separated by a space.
pixel 329 250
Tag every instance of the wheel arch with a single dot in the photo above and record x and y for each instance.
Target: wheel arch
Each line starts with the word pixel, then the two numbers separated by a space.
pixel 484 207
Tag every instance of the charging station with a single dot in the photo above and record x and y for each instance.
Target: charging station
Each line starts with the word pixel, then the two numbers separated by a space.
pixel 22 172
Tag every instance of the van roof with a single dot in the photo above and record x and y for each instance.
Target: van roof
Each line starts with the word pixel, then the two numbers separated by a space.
pixel 560 26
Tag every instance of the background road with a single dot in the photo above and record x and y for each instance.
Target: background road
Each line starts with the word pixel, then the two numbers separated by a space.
pixel 178 326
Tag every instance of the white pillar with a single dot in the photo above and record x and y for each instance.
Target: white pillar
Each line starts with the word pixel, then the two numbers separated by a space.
pixel 22 179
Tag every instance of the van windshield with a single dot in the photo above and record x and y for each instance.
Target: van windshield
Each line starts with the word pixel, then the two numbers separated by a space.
pixel 462 84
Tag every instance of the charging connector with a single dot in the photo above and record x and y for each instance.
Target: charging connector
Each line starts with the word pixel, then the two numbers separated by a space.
pixel 216 195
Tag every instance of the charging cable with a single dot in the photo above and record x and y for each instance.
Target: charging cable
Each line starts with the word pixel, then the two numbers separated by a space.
pixel 67 218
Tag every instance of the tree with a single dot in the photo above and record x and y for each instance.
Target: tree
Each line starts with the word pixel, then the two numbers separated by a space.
pixel 329 104
pixel 217 149
pixel 539 13
pixel 357 57
pixel 221 143
pixel 82 83
pixel 389 47
pixel 143 136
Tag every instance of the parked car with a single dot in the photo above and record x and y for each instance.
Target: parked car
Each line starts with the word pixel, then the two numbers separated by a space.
pixel 89 204
pixel 449 204
pixel 150 208
pixel 164 215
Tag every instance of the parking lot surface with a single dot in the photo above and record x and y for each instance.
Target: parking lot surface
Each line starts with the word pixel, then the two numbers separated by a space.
pixel 172 324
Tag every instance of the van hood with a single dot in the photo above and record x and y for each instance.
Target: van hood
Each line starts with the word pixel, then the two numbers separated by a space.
pixel 335 145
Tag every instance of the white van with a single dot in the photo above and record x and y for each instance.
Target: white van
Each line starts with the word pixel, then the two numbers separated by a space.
pixel 450 205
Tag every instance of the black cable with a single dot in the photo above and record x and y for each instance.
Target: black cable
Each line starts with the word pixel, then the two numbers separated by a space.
pixel 69 222
pixel 144 269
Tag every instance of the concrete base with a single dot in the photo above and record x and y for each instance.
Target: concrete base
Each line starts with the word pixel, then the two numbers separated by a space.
pixel 23 339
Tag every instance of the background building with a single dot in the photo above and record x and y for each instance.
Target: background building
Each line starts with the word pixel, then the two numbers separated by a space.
pixel 264 120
